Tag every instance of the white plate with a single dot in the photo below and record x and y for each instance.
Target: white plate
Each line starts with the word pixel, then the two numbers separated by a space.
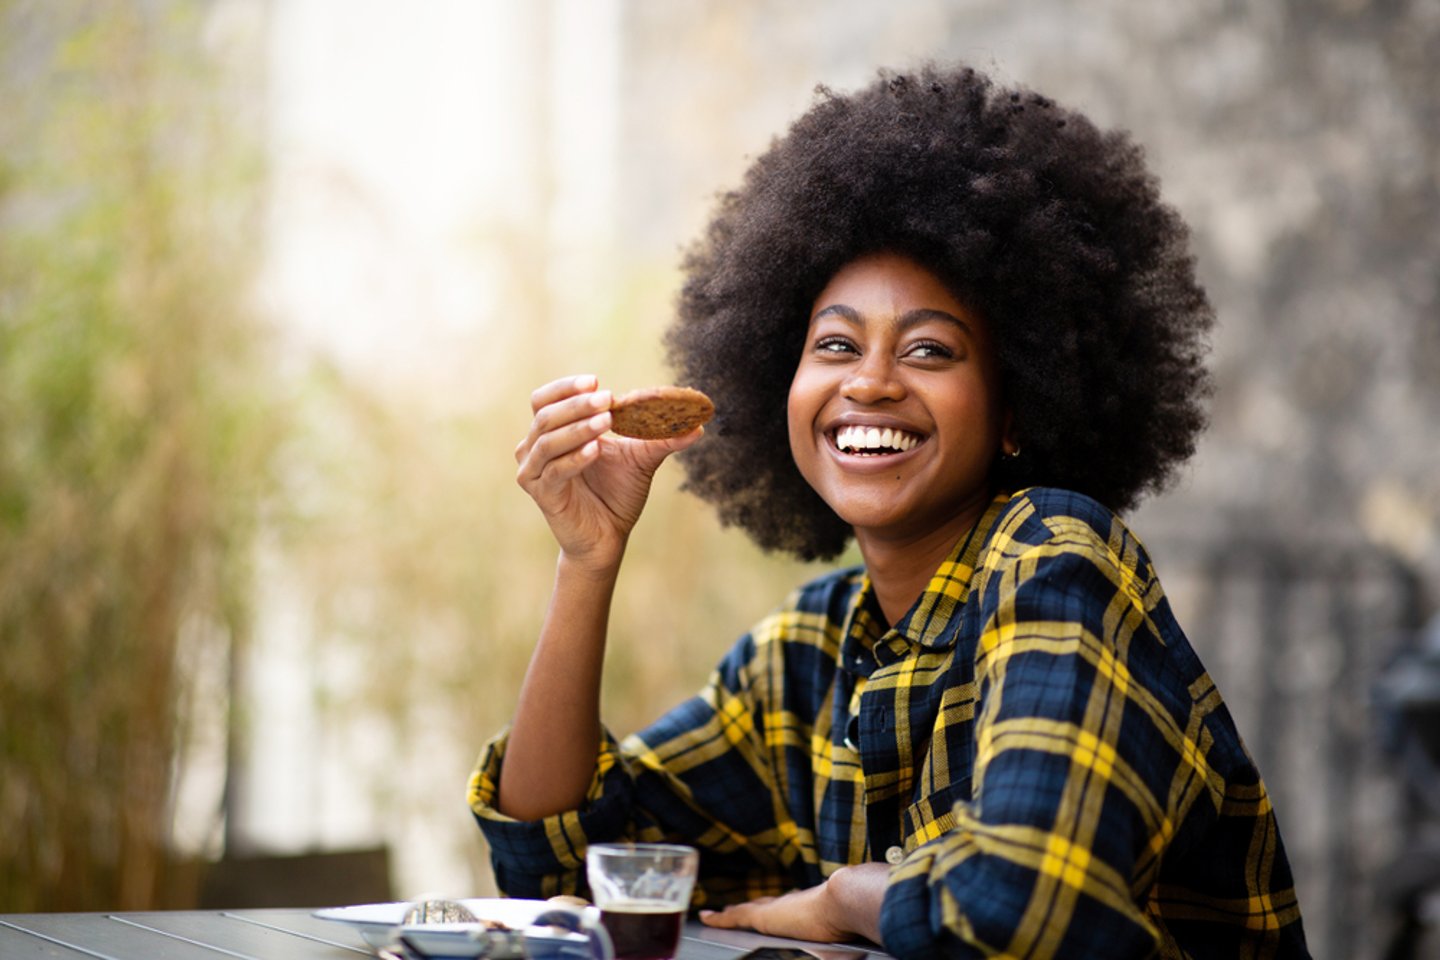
pixel 378 923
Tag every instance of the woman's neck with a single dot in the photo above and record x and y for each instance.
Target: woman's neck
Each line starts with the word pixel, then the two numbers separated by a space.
pixel 901 567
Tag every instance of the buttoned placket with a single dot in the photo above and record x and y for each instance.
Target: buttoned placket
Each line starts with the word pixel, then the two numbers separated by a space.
pixel 866 725
pixel 870 730
pixel 873 709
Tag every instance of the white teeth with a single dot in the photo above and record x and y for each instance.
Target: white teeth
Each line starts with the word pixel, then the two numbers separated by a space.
pixel 872 440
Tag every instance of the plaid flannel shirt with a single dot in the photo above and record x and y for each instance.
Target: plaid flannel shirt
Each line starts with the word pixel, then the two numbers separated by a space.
pixel 1034 747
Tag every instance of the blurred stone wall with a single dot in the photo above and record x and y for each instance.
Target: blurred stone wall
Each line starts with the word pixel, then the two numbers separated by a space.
pixel 1301 140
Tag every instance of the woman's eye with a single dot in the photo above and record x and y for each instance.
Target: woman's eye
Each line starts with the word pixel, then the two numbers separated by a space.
pixel 834 345
pixel 931 350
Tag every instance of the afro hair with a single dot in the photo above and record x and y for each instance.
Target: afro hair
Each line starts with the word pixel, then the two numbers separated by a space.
pixel 1050 228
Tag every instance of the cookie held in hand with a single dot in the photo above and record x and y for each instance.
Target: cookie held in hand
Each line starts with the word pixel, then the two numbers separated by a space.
pixel 657 413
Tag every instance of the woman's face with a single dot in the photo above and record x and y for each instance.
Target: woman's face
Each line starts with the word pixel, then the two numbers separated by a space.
pixel 894 413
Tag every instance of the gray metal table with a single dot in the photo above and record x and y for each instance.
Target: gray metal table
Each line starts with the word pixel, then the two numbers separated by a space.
pixel 277 935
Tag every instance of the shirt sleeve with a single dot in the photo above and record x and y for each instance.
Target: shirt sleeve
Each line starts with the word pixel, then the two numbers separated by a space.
pixel 1086 756
pixel 542 858
pixel 701 775
pixel 713 773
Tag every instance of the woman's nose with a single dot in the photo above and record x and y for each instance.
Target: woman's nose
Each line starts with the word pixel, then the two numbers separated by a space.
pixel 874 380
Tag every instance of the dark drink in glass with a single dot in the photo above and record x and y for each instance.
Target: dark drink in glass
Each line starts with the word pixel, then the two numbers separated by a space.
pixel 643 929
pixel 643 891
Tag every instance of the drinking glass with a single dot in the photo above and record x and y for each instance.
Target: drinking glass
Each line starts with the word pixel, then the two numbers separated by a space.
pixel 643 891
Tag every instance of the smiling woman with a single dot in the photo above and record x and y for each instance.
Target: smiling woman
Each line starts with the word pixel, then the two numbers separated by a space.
pixel 928 320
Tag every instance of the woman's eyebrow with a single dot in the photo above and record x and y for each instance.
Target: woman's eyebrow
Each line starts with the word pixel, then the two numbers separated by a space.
pixel 909 319
pixel 848 314
pixel 913 318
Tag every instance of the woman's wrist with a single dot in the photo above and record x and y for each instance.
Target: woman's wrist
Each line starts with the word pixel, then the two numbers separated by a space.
pixel 597 567
pixel 853 898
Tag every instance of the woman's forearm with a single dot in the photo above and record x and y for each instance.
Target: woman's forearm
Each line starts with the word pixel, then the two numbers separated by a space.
pixel 555 736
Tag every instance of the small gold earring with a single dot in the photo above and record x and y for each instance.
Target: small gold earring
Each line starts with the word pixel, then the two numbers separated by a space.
pixel 1011 454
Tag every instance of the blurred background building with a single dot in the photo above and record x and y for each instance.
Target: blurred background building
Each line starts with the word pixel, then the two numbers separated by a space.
pixel 356 234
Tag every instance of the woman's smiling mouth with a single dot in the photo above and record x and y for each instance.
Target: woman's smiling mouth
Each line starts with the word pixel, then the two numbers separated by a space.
pixel 863 441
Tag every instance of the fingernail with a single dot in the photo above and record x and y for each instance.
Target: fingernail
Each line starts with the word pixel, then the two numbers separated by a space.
pixel 586 381
pixel 590 449
pixel 600 400
pixel 600 421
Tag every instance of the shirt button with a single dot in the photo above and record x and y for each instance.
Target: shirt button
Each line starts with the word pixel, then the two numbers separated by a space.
pixel 894 855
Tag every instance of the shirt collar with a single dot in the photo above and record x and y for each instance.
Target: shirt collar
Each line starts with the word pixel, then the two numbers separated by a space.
pixel 932 621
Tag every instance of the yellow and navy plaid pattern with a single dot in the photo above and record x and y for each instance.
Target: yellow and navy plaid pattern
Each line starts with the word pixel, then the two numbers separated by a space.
pixel 1035 746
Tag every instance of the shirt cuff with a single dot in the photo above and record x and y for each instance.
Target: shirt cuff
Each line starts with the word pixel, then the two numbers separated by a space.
pixel 906 926
pixel 546 857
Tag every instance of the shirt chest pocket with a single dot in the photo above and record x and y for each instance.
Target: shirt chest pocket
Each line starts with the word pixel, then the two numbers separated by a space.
pixel 945 776
pixel 933 815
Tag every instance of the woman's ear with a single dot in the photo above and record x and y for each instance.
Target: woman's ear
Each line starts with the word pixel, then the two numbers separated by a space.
pixel 1009 446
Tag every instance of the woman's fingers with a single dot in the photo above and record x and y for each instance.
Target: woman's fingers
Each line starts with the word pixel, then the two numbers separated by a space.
pixel 562 403
pixel 557 455
pixel 802 914
pixel 676 444
pixel 564 442
pixel 561 471
pixel 560 389
pixel 736 915
pixel 564 412
pixel 556 415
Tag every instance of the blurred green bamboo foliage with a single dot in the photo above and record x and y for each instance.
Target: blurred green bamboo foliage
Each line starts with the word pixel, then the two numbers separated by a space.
pixel 165 486
pixel 135 434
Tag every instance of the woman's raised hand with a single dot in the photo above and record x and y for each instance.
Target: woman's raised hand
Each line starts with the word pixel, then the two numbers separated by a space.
pixel 590 486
